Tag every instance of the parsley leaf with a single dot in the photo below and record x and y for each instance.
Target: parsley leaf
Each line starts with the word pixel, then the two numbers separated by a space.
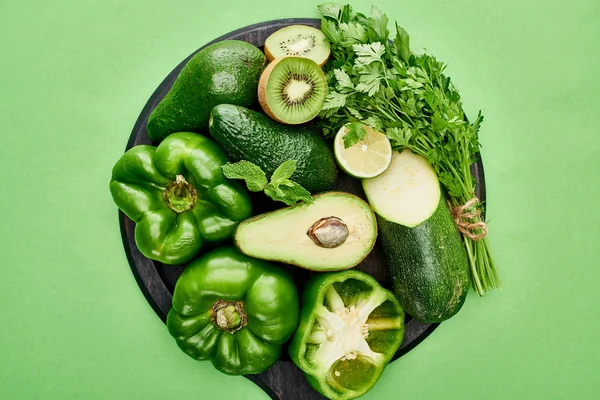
pixel 368 53
pixel 379 21
pixel 334 100
pixel 369 81
pixel 402 43
pixel 343 79
pixel 353 33
pixel 329 28
pixel 330 10
pixel 356 133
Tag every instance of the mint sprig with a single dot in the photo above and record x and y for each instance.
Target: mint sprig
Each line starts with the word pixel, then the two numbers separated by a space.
pixel 280 188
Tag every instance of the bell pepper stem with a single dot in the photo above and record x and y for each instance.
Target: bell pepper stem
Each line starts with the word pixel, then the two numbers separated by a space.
pixel 228 316
pixel 181 195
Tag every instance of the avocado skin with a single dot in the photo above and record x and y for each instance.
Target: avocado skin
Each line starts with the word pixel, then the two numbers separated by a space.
pixel 249 135
pixel 224 72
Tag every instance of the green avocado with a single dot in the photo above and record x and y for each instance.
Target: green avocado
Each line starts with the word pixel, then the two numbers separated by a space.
pixel 224 72
pixel 334 232
pixel 249 135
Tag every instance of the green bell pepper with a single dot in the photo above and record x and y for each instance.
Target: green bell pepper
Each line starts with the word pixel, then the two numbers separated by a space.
pixel 350 328
pixel 178 197
pixel 234 310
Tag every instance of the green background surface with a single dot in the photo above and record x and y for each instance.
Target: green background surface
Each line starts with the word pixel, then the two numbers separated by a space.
pixel 74 76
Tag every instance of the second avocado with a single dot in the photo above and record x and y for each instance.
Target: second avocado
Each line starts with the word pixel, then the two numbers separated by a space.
pixel 224 72
pixel 249 135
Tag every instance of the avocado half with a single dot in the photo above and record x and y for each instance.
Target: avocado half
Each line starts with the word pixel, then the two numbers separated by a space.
pixel 334 232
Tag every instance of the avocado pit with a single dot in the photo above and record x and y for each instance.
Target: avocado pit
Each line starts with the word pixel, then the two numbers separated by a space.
pixel 330 232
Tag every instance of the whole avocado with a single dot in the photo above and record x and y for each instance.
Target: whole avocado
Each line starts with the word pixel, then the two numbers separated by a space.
pixel 249 135
pixel 224 72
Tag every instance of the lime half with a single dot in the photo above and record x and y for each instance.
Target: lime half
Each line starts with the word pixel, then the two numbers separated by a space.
pixel 367 158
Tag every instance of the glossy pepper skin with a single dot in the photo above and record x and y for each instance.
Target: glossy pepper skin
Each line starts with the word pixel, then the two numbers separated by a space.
pixel 178 197
pixel 234 310
pixel 350 328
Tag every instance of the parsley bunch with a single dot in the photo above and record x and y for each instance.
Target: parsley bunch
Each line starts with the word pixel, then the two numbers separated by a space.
pixel 380 83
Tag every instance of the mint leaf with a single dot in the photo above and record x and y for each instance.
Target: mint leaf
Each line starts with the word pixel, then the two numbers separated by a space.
pixel 290 193
pixel 281 188
pixel 283 172
pixel 255 178
pixel 356 132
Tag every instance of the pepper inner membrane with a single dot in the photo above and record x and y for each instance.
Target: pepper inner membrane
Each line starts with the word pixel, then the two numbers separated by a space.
pixel 351 331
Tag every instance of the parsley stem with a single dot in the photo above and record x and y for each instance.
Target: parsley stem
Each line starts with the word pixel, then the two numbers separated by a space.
pixel 459 180
pixel 386 114
pixel 488 252
pixel 428 145
pixel 474 272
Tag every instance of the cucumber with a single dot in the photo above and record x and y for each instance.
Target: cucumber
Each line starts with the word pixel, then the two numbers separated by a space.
pixel 427 260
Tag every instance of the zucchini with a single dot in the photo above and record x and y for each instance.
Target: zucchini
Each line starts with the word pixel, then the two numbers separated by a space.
pixel 427 260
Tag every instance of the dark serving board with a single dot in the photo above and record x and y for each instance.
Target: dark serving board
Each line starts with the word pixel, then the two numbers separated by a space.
pixel 157 281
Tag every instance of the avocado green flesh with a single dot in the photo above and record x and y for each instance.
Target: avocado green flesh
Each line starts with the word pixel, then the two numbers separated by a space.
pixel 249 135
pixel 224 72
pixel 282 236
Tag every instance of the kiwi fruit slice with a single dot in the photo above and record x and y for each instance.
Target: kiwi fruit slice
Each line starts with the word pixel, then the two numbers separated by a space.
pixel 298 40
pixel 292 90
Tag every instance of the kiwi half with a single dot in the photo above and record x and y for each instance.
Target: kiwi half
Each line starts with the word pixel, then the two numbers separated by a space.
pixel 298 40
pixel 292 90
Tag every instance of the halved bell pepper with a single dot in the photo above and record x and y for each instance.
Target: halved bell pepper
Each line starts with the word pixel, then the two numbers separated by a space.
pixel 178 197
pixel 234 310
pixel 350 328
